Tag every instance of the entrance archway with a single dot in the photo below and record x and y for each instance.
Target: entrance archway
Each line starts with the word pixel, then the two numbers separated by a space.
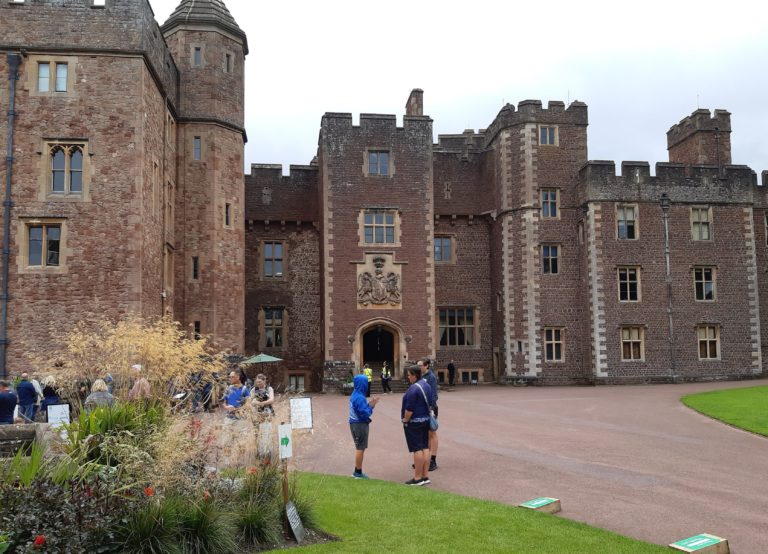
pixel 378 347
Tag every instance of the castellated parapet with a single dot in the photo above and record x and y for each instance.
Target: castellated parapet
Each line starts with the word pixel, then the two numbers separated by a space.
pixel 701 138
pixel 598 182
pixel 530 111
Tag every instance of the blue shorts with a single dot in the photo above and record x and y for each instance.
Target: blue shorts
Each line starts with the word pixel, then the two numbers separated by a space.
pixel 417 435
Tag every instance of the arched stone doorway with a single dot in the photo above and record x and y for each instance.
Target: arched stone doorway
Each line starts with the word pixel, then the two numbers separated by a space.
pixel 380 340
pixel 378 347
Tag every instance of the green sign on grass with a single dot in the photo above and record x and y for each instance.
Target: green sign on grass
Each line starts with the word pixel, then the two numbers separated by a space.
pixel 698 542
pixel 538 502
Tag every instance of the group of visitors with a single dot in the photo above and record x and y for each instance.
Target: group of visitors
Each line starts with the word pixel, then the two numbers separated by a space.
pixel 238 394
pixel 28 399
pixel 418 410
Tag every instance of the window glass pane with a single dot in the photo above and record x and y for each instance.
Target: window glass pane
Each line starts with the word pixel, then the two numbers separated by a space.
pixel 61 77
pixel 278 250
pixel 378 218
pixel 268 268
pixel 198 56
pixel 372 163
pixel 268 250
pixel 438 254
pixel 384 163
pixel 451 317
pixel 390 234
pixel 52 246
pixel 368 218
pixel 470 331
pixel 443 317
pixel 76 172
pixel 379 231
pixel 452 336
pixel 369 234
pixel 269 335
pixel 35 253
pixel 390 219
pixel 278 268
pixel 444 336
pixel 43 77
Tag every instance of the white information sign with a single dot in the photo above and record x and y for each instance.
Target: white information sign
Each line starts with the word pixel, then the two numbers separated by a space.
pixel 301 413
pixel 58 417
pixel 286 442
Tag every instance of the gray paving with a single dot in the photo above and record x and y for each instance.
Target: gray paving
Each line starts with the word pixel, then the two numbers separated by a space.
pixel 631 459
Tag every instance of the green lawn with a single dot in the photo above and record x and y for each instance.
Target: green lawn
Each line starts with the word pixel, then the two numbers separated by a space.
pixel 380 516
pixel 744 408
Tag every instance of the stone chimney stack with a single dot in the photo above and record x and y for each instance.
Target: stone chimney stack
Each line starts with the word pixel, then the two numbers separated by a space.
pixel 415 104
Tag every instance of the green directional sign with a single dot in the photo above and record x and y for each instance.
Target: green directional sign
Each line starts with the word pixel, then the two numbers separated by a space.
pixel 538 502
pixel 697 542
pixel 284 438
pixel 285 441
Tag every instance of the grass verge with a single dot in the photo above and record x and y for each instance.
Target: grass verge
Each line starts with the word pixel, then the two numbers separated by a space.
pixel 380 516
pixel 743 408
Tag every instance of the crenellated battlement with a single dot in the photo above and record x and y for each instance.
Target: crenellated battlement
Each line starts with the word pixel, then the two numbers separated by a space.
pixel 276 171
pixel 372 122
pixel 468 140
pixel 531 111
pixel 700 120
pixel 732 183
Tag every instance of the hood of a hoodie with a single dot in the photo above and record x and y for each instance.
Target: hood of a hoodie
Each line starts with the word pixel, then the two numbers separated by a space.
pixel 361 383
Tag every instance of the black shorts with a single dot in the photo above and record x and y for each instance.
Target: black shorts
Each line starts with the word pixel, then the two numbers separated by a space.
pixel 435 410
pixel 359 435
pixel 417 435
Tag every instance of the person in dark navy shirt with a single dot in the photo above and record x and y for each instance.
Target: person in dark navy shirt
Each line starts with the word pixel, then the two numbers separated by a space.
pixel 8 402
pixel 27 395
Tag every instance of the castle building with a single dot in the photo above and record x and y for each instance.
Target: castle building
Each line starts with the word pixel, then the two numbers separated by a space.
pixel 506 250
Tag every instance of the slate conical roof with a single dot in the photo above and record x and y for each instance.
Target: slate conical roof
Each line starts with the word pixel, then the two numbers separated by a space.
pixel 207 12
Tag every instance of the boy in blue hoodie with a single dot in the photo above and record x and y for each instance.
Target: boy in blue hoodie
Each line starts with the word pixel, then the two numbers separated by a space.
pixel 360 411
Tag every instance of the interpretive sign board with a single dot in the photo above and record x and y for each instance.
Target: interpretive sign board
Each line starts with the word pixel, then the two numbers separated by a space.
pixel 301 413
pixel 543 504
pixel 703 543
pixel 58 417
pixel 295 521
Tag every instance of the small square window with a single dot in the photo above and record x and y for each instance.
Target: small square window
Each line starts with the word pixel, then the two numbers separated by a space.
pixel 549 201
pixel 43 245
pixel 548 135
pixel 704 283
pixel 378 162
pixel 629 284
pixel 273 259
pixel 701 223
pixel 709 342
pixel 379 227
pixel 632 343
pixel 549 258
pixel 443 249
pixel 553 344
pixel 626 222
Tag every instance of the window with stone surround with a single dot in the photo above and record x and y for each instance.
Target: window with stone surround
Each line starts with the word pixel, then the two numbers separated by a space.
pixel 626 222
pixel 297 382
pixel 549 203
pixel 52 76
pixel 548 135
pixel 629 284
pixel 197 56
pixel 704 283
pixel 444 249
pixel 272 328
pixel 195 268
pixel 272 259
pixel 701 223
pixel 378 163
pixel 227 214
pixel 550 255
pixel 379 226
pixel 554 344
pixel 632 343
pixel 709 341
pixel 65 168
pixel 457 327
pixel 42 247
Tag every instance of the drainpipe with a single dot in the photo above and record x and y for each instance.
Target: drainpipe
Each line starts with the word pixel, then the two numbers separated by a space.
pixel 14 61
pixel 668 267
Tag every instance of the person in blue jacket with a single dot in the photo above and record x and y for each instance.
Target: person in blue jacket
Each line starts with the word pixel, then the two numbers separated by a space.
pixel 27 394
pixel 360 411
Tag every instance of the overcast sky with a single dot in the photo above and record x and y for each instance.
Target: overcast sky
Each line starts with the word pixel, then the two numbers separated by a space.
pixel 639 66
